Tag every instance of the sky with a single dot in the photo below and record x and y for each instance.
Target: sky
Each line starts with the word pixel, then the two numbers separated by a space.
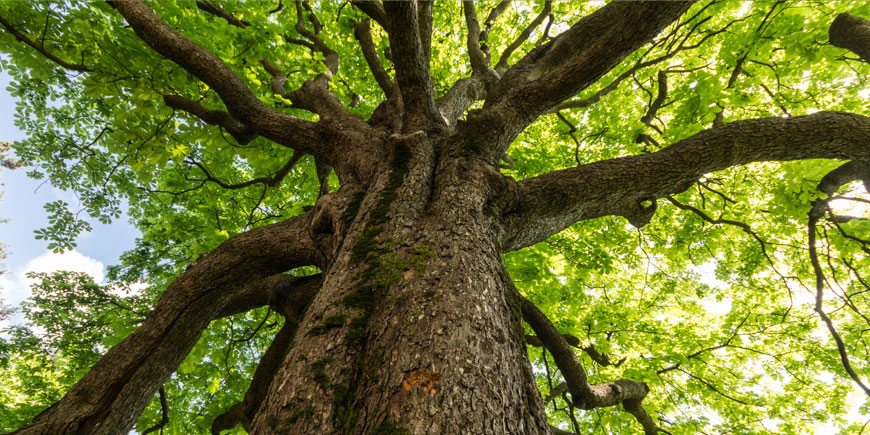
pixel 22 207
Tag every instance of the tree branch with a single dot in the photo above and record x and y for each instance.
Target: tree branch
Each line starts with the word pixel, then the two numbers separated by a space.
pixel 374 9
pixel 241 103
pixel 164 410
pixel 363 33
pixel 412 67
pixel 628 186
pixel 502 64
pixel 330 56
pixel 584 395
pixel 116 389
pixel 557 70
pixel 214 10
pixel 828 185
pixel 272 181
pixel 240 132
pixel 289 296
pixel 479 64
pixel 41 49
pixel 852 33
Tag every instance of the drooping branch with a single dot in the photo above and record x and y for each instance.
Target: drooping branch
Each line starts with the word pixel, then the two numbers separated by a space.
pixel 828 185
pixel 241 103
pixel 584 395
pixel 628 186
pixel 41 49
pixel 412 67
pixel 559 69
pixel 110 397
pixel 164 411
pixel 852 33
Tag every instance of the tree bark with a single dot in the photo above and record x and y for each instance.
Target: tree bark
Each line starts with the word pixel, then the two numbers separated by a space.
pixel 414 328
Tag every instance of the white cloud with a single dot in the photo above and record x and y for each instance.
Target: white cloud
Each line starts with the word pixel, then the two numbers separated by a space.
pixel 15 285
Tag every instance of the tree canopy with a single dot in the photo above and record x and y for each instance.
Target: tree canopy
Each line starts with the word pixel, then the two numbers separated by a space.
pixel 710 184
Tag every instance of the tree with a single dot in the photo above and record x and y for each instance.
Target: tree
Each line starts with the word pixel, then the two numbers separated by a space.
pixel 385 194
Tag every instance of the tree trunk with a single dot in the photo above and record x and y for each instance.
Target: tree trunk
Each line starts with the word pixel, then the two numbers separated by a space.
pixel 414 329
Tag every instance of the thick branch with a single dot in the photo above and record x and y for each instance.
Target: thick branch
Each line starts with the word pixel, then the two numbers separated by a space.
pixel 109 398
pixel 461 96
pixel 479 63
pixel 558 70
pixel 374 9
pixel 241 103
pixel 40 49
pixel 852 33
pixel 241 133
pixel 628 186
pixel 412 67
pixel 363 33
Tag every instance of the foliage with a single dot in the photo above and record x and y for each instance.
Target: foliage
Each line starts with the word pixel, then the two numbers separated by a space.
pixel 716 315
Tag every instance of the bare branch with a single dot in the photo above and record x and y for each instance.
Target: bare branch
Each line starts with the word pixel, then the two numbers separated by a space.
pixel 241 103
pixel 628 186
pixel 41 49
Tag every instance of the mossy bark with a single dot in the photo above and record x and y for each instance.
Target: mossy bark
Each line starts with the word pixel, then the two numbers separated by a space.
pixel 430 344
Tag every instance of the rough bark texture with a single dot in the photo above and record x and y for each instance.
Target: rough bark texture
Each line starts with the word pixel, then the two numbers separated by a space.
pixel 414 325
pixel 852 33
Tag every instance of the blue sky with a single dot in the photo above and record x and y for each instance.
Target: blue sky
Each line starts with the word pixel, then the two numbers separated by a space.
pixel 21 205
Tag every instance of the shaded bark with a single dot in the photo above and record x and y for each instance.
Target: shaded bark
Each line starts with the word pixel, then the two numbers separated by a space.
pixel 110 397
pixel 852 33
